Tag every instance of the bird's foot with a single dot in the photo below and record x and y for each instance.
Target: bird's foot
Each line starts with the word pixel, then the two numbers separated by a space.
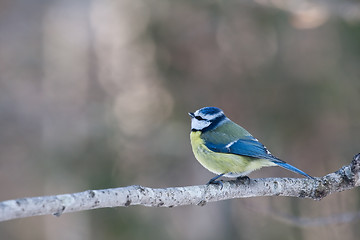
pixel 243 179
pixel 215 181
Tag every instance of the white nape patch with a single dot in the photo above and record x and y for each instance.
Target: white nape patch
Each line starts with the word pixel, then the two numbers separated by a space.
pixel 199 124
pixel 208 116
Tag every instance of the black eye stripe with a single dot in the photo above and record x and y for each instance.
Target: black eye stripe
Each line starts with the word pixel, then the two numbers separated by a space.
pixel 199 118
pixel 214 123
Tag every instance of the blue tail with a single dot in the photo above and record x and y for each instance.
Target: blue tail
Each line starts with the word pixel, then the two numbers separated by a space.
pixel 291 168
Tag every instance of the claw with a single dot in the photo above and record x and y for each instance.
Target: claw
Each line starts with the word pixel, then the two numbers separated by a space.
pixel 214 181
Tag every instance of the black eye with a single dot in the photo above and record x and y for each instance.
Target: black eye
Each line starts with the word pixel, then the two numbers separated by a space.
pixel 199 118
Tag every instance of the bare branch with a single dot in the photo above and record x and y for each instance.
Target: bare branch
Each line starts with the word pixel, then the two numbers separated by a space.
pixel 345 178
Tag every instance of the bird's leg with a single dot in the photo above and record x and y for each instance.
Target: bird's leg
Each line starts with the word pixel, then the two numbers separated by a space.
pixel 214 181
pixel 243 179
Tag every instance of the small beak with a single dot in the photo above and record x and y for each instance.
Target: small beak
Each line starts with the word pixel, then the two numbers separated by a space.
pixel 191 115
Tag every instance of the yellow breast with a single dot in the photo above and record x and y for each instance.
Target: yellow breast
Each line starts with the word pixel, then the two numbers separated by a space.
pixel 231 164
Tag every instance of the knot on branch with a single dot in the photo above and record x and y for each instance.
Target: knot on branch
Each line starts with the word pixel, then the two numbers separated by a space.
pixel 355 163
pixel 346 177
pixel 355 169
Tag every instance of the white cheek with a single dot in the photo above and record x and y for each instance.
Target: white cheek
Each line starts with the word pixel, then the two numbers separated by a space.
pixel 198 125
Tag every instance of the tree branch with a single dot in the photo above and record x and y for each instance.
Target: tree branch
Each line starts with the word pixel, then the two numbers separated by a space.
pixel 346 178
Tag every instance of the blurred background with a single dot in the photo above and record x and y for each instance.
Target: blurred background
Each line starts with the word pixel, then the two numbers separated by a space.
pixel 95 94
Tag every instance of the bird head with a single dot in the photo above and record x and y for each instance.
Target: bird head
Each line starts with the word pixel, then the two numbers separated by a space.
pixel 206 118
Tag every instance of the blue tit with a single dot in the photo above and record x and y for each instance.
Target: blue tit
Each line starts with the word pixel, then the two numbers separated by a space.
pixel 227 149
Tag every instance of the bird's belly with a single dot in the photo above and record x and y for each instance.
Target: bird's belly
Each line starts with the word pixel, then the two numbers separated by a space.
pixel 231 164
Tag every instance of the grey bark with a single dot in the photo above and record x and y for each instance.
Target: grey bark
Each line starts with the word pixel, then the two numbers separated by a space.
pixel 347 177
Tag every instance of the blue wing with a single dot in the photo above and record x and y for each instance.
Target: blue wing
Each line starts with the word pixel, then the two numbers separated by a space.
pixel 248 146
pixel 251 147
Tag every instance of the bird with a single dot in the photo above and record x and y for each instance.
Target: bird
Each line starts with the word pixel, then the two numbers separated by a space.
pixel 227 149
